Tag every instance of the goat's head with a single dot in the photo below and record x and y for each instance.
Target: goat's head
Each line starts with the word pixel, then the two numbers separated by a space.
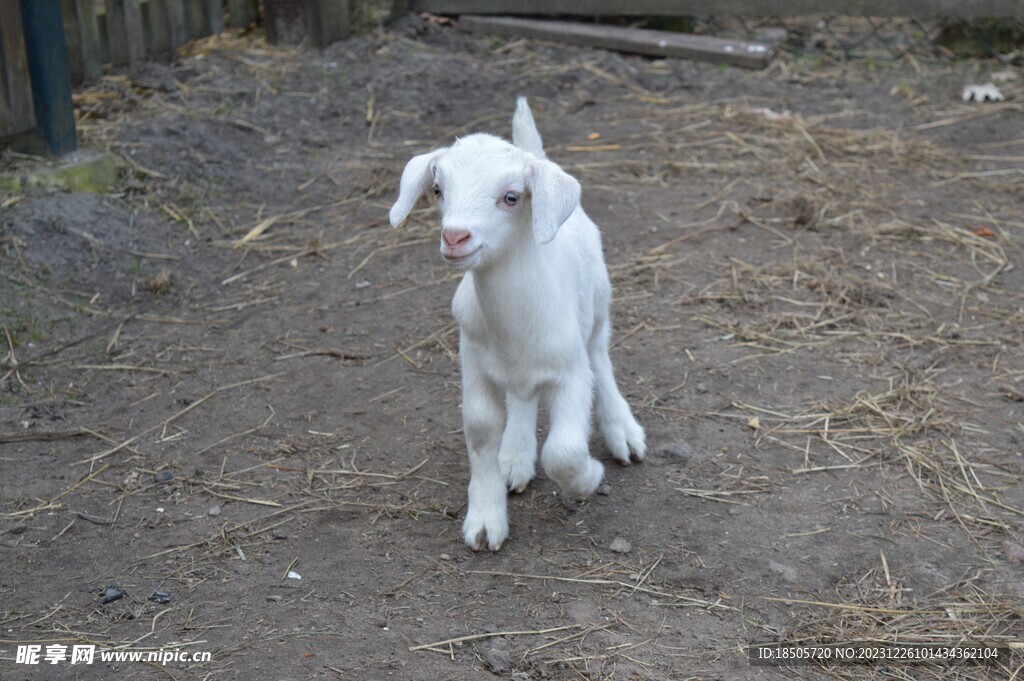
pixel 490 194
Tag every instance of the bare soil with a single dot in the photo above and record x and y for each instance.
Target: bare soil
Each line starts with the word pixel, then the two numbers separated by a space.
pixel 233 369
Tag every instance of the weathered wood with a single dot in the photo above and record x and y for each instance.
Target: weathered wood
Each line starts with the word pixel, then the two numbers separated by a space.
pixel 158 35
pixel 195 18
pixel 313 22
pixel 330 21
pixel 242 13
pixel 50 73
pixel 177 26
pixel 623 39
pixel 16 112
pixel 89 35
pixel 214 14
pixel 73 40
pixel 748 8
pixel 124 31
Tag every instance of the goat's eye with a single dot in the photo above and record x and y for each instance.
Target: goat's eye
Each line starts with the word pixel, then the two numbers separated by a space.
pixel 437 191
pixel 511 199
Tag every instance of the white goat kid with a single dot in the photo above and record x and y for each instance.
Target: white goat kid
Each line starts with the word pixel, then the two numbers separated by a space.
pixel 533 314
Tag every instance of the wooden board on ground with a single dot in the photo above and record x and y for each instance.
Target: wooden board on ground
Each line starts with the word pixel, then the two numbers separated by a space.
pixel 964 9
pixel 635 40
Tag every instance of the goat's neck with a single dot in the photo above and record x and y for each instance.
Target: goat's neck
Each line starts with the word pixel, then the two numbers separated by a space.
pixel 511 290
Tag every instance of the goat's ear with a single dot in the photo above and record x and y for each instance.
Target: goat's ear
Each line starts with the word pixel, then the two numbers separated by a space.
pixel 555 195
pixel 417 178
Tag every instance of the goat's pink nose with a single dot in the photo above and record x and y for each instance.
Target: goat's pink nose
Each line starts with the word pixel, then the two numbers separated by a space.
pixel 455 237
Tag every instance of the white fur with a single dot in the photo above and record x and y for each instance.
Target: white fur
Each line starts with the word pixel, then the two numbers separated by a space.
pixel 533 312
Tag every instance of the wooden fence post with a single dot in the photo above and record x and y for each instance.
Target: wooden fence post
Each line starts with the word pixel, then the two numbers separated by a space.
pixel 316 22
pixel 124 31
pixel 214 16
pixel 83 39
pixel 176 24
pixel 242 13
pixel 50 73
pixel 16 113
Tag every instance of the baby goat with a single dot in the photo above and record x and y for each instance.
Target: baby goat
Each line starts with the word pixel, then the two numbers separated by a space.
pixel 533 313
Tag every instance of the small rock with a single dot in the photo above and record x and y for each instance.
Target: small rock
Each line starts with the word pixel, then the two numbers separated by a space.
pixel 675 451
pixel 292 574
pixel 497 659
pixel 161 596
pixel 445 556
pixel 784 571
pixel 1014 552
pixel 701 388
pixel 490 628
pixel 382 623
pixel 214 511
pixel 111 594
pixel 18 529
pixel 163 476
pixel 620 545
pixel 604 490
pixel 274 598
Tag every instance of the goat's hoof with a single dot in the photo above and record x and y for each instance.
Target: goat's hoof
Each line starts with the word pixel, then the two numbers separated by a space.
pixel 517 471
pixel 626 441
pixel 482 533
pixel 479 544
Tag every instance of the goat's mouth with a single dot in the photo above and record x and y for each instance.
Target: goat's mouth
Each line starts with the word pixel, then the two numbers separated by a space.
pixel 461 258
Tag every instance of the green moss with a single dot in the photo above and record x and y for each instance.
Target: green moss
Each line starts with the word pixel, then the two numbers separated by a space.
pixel 90 172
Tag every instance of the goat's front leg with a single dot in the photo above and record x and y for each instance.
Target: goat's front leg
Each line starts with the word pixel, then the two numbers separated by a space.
pixel 482 420
pixel 565 457
pixel 518 452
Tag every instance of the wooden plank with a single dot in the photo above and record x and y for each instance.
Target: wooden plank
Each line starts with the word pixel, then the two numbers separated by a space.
pixel 195 18
pixel 214 14
pixel 124 31
pixel 283 21
pixel 73 40
pixel 242 13
pixel 330 21
pixel 50 73
pixel 16 110
pixel 623 39
pixel 177 26
pixel 205 17
pixel 748 8
pixel 310 22
pixel 154 16
pixel 89 33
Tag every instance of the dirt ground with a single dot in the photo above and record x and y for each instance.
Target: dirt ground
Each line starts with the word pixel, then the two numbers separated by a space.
pixel 233 368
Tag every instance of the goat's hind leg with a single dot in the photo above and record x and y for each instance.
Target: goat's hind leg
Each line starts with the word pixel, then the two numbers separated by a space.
pixel 518 454
pixel 486 522
pixel 622 434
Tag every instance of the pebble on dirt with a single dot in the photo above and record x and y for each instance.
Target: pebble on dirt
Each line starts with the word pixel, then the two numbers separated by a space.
pixel 1014 552
pixel 161 596
pixel 111 594
pixel 620 545
pixel 497 658
pixel 163 476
